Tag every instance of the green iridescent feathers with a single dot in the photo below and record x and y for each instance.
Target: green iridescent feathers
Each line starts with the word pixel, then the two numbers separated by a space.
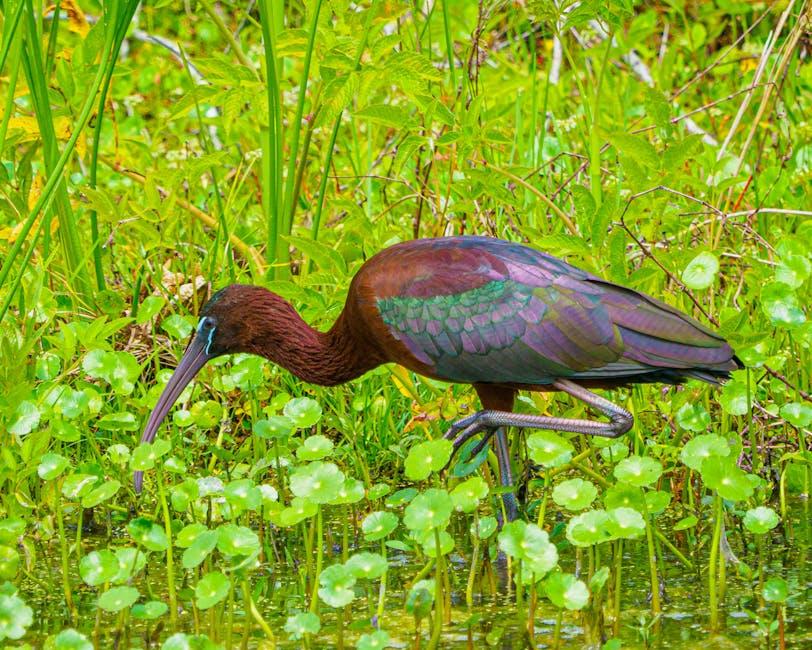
pixel 485 310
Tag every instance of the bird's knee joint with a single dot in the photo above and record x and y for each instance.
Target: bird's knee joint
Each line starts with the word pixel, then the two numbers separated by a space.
pixel 621 424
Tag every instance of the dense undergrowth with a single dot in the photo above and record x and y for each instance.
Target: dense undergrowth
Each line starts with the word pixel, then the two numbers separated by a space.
pixel 151 153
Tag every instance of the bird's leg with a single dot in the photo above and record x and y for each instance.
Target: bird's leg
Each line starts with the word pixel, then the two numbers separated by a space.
pixel 620 420
pixel 505 473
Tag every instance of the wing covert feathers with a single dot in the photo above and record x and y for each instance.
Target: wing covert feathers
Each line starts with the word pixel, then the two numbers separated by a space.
pixel 484 310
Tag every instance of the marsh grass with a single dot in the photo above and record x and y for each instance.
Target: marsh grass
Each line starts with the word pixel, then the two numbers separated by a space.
pixel 662 147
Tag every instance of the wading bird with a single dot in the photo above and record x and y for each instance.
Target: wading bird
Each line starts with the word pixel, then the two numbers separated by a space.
pixel 498 315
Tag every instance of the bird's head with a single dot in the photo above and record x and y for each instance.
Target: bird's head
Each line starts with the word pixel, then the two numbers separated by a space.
pixel 235 319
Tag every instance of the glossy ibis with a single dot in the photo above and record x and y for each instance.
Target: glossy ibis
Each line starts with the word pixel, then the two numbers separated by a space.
pixel 499 315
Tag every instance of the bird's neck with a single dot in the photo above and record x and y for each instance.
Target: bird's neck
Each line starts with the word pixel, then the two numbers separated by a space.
pixel 323 358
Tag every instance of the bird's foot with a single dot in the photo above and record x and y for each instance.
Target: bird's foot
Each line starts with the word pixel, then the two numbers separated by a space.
pixel 463 430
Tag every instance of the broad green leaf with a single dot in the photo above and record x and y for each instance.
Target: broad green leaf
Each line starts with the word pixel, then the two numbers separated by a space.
pixel 638 470
pixel 211 589
pixel 575 494
pixel 701 271
pixel 118 598
pixel 565 591
pixel 761 520
pixel 431 509
pixel 427 457
pixel 98 567
pixel 378 525
pixel 302 623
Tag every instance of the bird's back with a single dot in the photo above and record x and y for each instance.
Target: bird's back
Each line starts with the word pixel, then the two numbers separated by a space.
pixel 484 310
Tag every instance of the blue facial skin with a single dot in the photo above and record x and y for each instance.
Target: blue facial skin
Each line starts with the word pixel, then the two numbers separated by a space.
pixel 211 333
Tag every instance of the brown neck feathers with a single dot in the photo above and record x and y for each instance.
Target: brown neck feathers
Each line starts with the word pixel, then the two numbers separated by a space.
pixel 323 358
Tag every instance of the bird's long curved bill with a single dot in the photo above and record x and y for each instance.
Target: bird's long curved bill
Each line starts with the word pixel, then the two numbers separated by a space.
pixel 193 360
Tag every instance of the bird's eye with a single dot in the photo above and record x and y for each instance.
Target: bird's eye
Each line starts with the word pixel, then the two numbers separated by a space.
pixel 206 324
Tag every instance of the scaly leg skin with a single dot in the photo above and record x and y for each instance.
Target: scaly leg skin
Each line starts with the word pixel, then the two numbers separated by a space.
pixel 494 422
pixel 505 473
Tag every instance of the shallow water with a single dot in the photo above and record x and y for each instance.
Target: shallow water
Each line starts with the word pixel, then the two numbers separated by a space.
pixel 682 625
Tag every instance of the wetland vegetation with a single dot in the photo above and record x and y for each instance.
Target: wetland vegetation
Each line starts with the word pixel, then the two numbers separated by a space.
pixel 154 152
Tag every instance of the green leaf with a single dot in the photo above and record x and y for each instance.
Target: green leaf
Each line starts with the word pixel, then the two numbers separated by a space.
pixel 325 257
pixel 420 598
pixel 565 591
pixel 721 473
pixel 236 540
pixel 15 616
pixel 303 412
pixel 149 308
pixel 657 501
pixel 693 417
pixel 181 641
pixel 77 485
pixel 701 447
pixel 302 623
pixel 177 326
pixel 243 494
pixel 549 449
pixel 149 534
pixel 390 115
pixel 276 427
pixel 69 639
pixel 686 522
pixel 590 527
pixel 622 495
pixel 531 545
pixel 401 497
pixel 797 414
pixel 701 271
pixel 637 148
pixel 427 457
pixel 98 567
pixel 487 527
pixel 775 590
pixel 625 523
pixel 211 589
pixel 676 154
pixel 121 421
pixel 130 562
pixel 318 482
pixel 431 509
pixel 144 455
pixel 467 495
pixel 118 598
pixel 638 470
pixel 119 369
pixel 199 549
pixel 52 466
pixel 429 543
pixel 378 525
pixel 27 415
pixel 337 583
pixel 150 610
pixel 658 109
pixel 100 494
pixel 575 494
pixel 315 448
pixel 373 640
pixel 367 565
pixel 350 491
pixel 734 398
pixel 780 304
pixel 299 510
pixel 761 520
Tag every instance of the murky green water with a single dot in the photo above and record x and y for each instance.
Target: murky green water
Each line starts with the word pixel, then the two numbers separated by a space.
pixel 492 622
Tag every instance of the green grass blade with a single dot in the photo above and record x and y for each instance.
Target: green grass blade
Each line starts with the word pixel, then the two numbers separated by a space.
pixel 276 251
pixel 289 206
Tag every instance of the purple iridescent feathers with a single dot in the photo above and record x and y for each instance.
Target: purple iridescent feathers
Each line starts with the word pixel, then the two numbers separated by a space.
pixel 484 310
